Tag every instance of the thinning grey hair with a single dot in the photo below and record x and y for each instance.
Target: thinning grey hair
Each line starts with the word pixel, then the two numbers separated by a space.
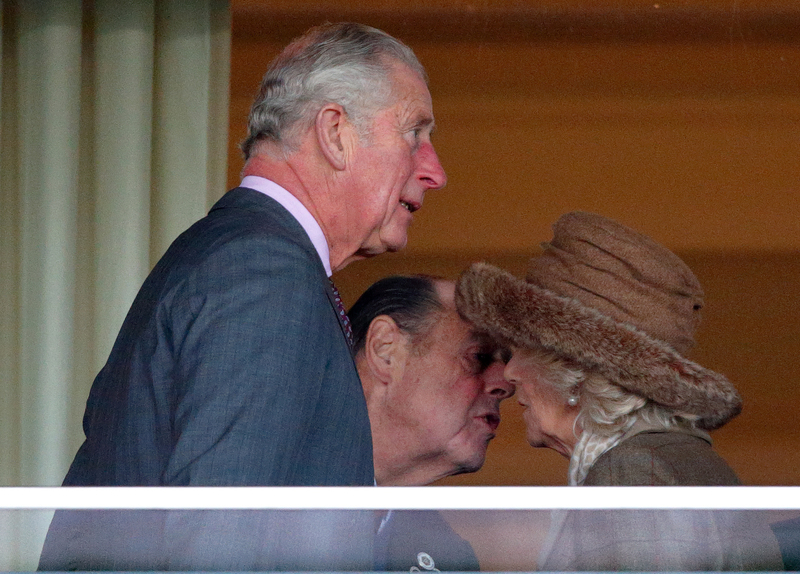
pixel 605 407
pixel 346 63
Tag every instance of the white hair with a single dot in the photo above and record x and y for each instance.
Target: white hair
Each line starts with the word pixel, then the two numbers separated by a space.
pixel 605 407
pixel 348 64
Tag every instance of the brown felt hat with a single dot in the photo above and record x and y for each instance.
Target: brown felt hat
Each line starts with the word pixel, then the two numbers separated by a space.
pixel 609 299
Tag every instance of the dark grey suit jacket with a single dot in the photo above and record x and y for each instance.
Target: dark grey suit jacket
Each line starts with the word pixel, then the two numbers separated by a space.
pixel 231 369
pixel 419 541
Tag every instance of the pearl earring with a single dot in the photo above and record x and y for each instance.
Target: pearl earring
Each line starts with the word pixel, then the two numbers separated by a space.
pixel 572 400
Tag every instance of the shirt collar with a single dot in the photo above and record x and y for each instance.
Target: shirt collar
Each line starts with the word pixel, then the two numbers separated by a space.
pixel 298 211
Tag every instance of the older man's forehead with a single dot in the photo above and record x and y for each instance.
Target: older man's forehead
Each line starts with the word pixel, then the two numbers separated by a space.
pixel 412 95
pixel 482 338
pixel 468 334
pixel 452 330
pixel 446 291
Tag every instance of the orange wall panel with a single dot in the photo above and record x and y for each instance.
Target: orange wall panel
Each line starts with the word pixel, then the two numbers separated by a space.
pixel 683 123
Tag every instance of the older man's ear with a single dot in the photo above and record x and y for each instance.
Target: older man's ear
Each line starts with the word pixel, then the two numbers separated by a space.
pixel 333 128
pixel 386 350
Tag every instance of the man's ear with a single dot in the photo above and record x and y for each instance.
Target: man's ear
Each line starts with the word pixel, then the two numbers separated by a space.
pixel 386 349
pixel 332 129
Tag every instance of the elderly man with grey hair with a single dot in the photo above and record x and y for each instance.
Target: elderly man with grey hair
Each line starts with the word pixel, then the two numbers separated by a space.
pixel 233 366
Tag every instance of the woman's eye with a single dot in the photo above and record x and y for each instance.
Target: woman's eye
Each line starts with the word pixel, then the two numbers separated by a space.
pixel 503 355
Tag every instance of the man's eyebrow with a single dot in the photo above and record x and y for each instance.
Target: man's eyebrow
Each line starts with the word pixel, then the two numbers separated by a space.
pixel 424 121
pixel 483 339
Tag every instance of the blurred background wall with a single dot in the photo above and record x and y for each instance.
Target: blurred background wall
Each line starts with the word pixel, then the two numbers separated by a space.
pixel 681 120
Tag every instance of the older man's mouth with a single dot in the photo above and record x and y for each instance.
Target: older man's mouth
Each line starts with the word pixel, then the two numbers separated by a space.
pixel 411 207
pixel 492 420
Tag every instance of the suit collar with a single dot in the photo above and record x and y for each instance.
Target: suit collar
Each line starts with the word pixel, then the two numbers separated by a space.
pixel 299 211
pixel 254 201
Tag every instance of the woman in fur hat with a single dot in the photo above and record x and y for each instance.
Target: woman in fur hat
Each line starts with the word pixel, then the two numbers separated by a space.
pixel 598 334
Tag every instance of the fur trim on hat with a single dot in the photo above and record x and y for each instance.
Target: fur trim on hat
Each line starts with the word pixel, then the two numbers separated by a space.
pixel 527 316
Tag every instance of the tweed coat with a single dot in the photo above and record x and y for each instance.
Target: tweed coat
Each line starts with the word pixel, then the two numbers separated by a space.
pixel 653 540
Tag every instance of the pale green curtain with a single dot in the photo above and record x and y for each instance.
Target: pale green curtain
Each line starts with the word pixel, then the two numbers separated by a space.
pixel 113 133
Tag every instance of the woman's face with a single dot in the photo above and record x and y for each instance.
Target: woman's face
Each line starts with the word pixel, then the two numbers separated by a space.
pixel 549 419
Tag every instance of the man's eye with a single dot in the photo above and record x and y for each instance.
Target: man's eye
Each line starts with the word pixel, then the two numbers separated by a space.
pixel 416 138
pixel 484 360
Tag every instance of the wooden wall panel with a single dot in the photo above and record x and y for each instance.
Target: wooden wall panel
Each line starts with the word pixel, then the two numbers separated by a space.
pixel 681 121
pixel 750 332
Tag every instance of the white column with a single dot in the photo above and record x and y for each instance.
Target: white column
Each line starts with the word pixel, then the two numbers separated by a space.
pixel 49 104
pixel 9 267
pixel 181 119
pixel 49 44
pixel 123 97
pixel 9 300
pixel 219 99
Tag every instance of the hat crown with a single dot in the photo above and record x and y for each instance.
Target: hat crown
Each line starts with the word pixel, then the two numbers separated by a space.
pixel 622 274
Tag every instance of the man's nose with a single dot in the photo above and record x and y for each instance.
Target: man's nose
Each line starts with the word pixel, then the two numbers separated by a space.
pixel 496 384
pixel 431 171
pixel 510 373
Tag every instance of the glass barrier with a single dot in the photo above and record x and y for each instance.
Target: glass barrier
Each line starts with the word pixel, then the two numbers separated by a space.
pixel 415 529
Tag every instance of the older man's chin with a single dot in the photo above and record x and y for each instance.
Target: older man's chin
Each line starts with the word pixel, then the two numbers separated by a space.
pixel 394 236
pixel 383 245
pixel 472 463
pixel 370 248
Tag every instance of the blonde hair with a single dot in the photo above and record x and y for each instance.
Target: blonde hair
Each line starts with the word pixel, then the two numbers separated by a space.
pixel 605 407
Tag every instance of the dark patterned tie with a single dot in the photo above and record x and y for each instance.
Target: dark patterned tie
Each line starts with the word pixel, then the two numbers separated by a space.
pixel 348 329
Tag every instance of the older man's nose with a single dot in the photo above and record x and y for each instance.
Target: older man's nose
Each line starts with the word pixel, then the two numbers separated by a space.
pixel 496 384
pixel 430 170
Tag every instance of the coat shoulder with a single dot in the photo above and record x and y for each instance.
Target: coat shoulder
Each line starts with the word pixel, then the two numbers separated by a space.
pixel 661 459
